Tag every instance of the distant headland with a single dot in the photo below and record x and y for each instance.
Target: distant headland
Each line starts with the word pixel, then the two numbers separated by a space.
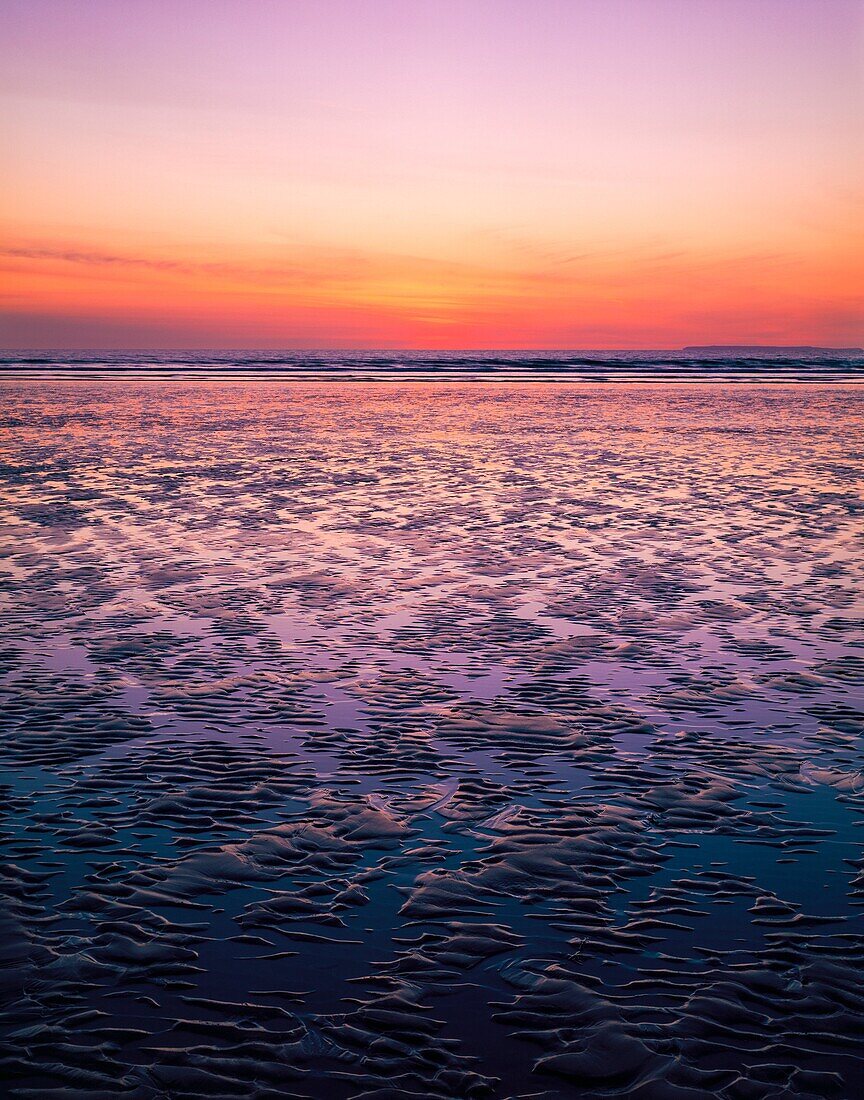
pixel 738 349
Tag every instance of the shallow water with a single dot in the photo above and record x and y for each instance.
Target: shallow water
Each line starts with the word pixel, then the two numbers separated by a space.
pixel 442 740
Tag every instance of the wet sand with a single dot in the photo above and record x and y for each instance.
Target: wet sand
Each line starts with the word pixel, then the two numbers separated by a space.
pixel 437 741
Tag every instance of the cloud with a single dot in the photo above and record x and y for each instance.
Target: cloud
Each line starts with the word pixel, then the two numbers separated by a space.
pixel 76 256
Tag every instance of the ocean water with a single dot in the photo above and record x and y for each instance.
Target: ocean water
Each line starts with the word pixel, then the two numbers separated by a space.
pixel 690 364
pixel 449 735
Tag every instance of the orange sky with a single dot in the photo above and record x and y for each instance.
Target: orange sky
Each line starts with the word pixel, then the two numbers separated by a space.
pixel 447 175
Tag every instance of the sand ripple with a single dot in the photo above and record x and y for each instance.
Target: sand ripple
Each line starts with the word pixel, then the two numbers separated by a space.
pixel 446 741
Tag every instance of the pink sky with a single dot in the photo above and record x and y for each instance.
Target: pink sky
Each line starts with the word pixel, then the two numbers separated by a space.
pixel 619 173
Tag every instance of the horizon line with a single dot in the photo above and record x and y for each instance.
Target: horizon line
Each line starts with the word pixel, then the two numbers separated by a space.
pixel 321 349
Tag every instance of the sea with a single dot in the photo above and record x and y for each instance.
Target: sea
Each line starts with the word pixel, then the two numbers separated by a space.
pixel 697 364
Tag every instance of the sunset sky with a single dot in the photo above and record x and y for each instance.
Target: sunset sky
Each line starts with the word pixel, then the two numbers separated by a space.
pixel 431 173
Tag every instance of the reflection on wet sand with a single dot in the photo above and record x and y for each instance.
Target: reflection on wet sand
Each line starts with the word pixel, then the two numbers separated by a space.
pixel 431 742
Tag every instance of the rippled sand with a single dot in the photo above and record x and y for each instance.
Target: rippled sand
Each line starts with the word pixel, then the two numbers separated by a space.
pixel 431 741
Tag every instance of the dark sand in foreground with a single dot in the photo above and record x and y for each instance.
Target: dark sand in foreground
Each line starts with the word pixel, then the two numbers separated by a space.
pixel 431 741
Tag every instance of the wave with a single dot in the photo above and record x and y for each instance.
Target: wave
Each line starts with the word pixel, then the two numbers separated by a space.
pixel 689 364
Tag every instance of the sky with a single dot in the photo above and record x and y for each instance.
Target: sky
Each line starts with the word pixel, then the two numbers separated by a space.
pixel 431 173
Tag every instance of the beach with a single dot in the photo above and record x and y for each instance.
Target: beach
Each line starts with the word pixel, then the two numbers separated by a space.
pixel 432 740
